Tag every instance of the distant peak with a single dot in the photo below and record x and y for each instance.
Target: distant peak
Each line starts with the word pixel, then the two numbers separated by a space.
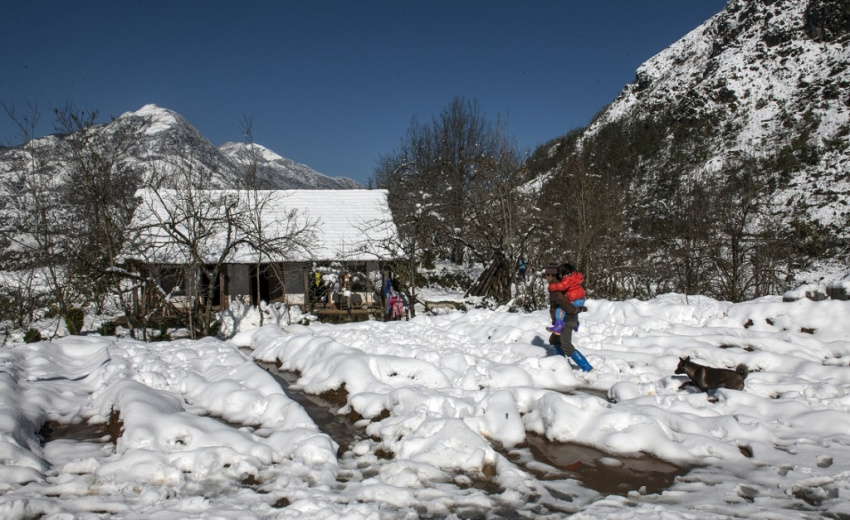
pixel 150 110
pixel 160 118
pixel 263 152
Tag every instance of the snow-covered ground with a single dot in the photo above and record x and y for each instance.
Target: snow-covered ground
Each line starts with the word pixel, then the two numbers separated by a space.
pixel 443 402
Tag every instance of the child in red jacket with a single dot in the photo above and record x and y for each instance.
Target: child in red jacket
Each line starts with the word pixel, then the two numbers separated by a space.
pixel 569 284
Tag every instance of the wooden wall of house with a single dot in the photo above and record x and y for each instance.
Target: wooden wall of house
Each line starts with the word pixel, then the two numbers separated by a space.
pixel 281 282
pixel 237 280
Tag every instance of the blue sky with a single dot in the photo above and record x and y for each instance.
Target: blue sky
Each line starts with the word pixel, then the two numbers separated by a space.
pixel 334 84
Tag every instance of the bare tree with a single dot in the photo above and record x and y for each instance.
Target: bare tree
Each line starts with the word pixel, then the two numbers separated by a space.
pixel 465 171
pixel 494 199
pixel 98 192
pixel 582 220
pixel 272 231
pixel 686 242
pixel 451 160
pixel 196 229
pixel 36 227
pixel 751 246
pixel 255 220
pixel 414 194
pixel 404 251
pixel 500 218
pixel 460 141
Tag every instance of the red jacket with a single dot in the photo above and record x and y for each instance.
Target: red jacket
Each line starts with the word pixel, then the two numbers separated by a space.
pixel 571 285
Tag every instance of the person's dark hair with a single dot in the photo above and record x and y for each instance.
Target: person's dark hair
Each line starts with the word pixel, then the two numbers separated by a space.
pixel 565 270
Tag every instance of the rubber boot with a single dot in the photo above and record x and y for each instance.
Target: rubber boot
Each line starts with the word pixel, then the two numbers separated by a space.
pixel 559 350
pixel 560 314
pixel 581 361
pixel 557 328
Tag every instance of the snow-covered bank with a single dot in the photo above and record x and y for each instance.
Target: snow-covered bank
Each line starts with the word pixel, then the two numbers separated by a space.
pixel 179 403
pixel 442 399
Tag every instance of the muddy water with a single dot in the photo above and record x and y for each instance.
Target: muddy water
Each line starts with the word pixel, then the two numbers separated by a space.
pixel 323 412
pixel 82 432
pixel 602 472
pixel 597 470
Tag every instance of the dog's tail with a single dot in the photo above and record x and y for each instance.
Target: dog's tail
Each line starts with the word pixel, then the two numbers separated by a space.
pixel 742 369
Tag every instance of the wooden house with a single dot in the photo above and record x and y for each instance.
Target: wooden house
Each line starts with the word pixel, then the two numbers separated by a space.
pixel 318 249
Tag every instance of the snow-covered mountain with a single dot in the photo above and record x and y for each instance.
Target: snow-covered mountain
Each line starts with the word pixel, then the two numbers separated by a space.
pixel 276 172
pixel 159 141
pixel 764 81
pixel 763 78
pixel 724 166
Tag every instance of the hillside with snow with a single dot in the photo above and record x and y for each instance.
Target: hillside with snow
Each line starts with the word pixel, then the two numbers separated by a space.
pixel 774 80
pixel 160 142
pixel 279 173
pixel 724 167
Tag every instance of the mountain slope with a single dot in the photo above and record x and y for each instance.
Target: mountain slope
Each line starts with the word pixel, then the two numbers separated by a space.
pixel 275 172
pixel 723 169
pixel 158 141
pixel 161 140
pixel 773 77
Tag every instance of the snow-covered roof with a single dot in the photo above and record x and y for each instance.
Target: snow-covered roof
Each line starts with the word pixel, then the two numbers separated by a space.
pixel 346 224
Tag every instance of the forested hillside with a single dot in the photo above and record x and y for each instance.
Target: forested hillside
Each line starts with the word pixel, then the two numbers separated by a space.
pixel 723 169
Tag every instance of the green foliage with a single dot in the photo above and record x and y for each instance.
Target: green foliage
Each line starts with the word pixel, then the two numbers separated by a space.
pixel 799 150
pixel 108 328
pixel 428 259
pixel 32 336
pixel 161 333
pixel 74 318
pixel 215 327
pixel 547 156
pixel 811 239
pixel 826 20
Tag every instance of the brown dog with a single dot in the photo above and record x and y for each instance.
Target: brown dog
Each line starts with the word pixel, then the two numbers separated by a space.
pixel 708 378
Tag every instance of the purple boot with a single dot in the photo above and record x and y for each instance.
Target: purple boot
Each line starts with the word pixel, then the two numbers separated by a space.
pixel 557 328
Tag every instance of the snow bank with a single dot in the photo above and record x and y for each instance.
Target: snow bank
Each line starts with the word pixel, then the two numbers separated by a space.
pixel 445 405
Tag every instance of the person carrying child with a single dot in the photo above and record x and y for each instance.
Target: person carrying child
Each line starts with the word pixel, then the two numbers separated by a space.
pixel 569 284
pixel 564 311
